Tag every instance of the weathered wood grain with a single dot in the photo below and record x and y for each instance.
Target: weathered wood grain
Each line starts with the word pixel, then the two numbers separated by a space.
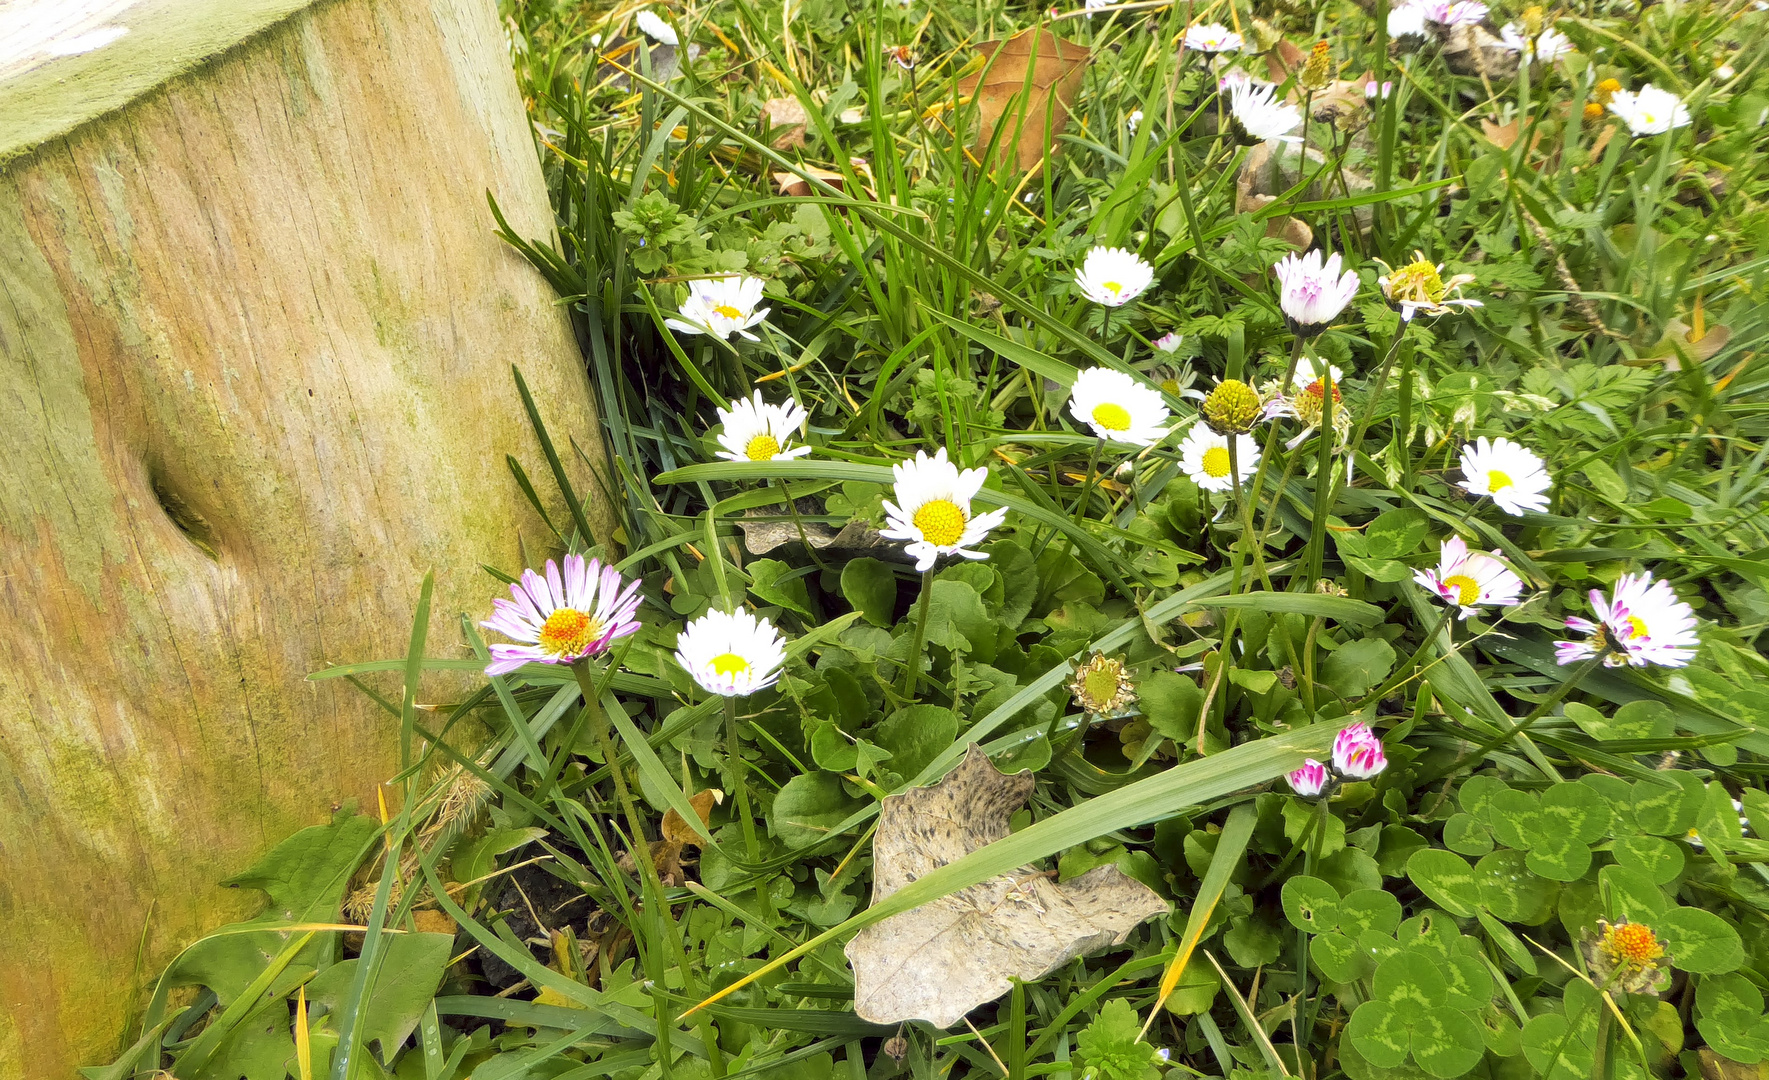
pixel 255 338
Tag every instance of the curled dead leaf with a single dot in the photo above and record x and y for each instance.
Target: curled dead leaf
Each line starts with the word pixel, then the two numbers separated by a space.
pixel 787 121
pixel 1055 68
pixel 794 184
pixel 944 958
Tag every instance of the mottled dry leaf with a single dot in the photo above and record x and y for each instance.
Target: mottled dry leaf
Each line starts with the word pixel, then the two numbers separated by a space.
pixel 1473 50
pixel 787 120
pixel 666 854
pixel 1247 201
pixel 797 186
pixel 944 958
pixel 1056 79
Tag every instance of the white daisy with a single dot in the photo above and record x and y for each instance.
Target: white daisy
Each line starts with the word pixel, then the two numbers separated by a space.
pixel 932 511
pixel 731 654
pixel 1112 276
pixel 1453 12
pixel 1117 407
pixel 1212 38
pixel 1512 475
pixel 1641 622
pixel 721 307
pixel 1406 20
pixel 1260 114
pixel 1204 457
pixel 1131 122
pixel 656 29
pixel 1548 46
pixel 1168 342
pixel 1467 579
pixel 756 431
pixel 1312 293
pixel 1310 371
pixel 1649 110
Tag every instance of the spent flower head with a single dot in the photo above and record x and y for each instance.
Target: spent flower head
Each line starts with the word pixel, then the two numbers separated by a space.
pixel 732 654
pixel 558 618
pixel 757 431
pixel 1232 408
pixel 1102 687
pixel 933 513
pixel 1640 623
pixel 1317 72
pixel 1420 286
pixel 1627 956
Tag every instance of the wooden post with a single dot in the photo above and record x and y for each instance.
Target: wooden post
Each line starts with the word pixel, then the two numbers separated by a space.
pixel 255 346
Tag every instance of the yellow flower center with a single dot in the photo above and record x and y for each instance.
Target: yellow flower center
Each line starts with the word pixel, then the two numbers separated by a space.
pixel 1216 462
pixel 941 522
pixel 727 311
pixel 569 632
pixel 1498 480
pixel 762 448
pixel 1113 287
pixel 1101 684
pixel 1467 589
pixel 1417 282
pixel 1112 417
pixel 1634 943
pixel 1636 628
pixel 729 664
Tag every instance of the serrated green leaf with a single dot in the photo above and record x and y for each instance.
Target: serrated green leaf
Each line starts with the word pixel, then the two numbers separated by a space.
pixel 409 974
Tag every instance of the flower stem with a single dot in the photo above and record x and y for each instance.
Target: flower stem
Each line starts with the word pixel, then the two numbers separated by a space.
pixel 1099 448
pixel 1316 837
pixel 1403 421
pixel 1526 723
pixel 912 664
pixel 1324 486
pixel 1404 671
pixel 738 783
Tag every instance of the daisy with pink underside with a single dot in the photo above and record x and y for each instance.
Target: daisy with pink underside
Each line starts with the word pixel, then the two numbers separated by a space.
pixel 558 618
pixel 1467 579
pixel 1357 752
pixel 1640 623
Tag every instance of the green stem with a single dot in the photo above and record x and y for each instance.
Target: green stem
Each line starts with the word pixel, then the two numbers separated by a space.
pixel 1371 396
pixel 1324 486
pixel 1099 447
pixel 1403 422
pixel 739 783
pixel 1404 672
pixel 1526 723
pixel 1317 836
pixel 1601 1056
pixel 912 664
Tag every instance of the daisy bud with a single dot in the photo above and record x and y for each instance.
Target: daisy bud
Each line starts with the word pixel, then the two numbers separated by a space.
pixel 1310 780
pixel 1168 342
pixel 1357 753
pixel 1313 292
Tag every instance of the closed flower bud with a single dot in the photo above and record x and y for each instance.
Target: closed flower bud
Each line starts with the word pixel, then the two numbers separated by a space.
pixel 1357 753
pixel 1310 780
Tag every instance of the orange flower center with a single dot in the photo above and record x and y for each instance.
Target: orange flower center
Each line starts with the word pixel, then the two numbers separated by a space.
pixel 569 632
pixel 941 522
pixel 1634 943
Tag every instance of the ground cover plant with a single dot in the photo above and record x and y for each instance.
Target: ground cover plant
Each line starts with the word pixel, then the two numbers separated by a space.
pixel 1159 539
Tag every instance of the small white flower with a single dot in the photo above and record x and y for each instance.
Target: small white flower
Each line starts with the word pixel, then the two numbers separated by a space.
pixel 1132 122
pixel 1168 343
pixel 1261 115
pixel 1204 456
pixel 1513 476
pixel 721 307
pixel 731 654
pixel 1453 12
pixel 1406 20
pixel 1311 292
pixel 1113 277
pixel 1212 38
pixel 1548 46
pixel 932 511
pixel 1649 110
pixel 1467 579
pixel 1641 622
pixel 757 431
pixel 1118 407
pixel 656 29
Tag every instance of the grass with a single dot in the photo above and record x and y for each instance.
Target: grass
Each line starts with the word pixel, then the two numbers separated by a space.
pixel 1449 916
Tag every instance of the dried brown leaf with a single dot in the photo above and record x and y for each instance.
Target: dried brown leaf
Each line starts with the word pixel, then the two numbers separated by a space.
pixel 1056 67
pixel 1473 50
pixel 787 120
pixel 944 958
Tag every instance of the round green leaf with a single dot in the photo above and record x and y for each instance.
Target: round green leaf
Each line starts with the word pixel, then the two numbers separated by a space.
pixel 1464 834
pixel 1339 958
pixel 1377 945
pixel 1560 858
pixel 1477 794
pixel 1658 860
pixel 1349 870
pixel 1369 909
pixel 1629 894
pixel 1730 999
pixel 1446 878
pixel 1446 1042
pixel 1619 794
pixel 1469 983
pixel 1665 807
pixel 1311 904
pixel 808 807
pixel 1545 1045
pixel 1575 810
pixel 1411 980
pixel 1579 908
pixel 1196 989
pixel 1380 1034
pixel 1515 818
pixel 1700 941
pixel 1511 890
pixel 870 587
pixel 1503 1037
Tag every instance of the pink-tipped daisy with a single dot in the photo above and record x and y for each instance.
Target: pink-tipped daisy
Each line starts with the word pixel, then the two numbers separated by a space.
pixel 559 618
pixel 1467 579
pixel 1357 753
pixel 1310 780
pixel 1640 623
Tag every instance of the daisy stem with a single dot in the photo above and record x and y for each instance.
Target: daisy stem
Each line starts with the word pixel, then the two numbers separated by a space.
pixel 1526 723
pixel 1316 835
pixel 739 783
pixel 1403 673
pixel 1099 448
pixel 1403 420
pixel 912 665
pixel 1324 486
